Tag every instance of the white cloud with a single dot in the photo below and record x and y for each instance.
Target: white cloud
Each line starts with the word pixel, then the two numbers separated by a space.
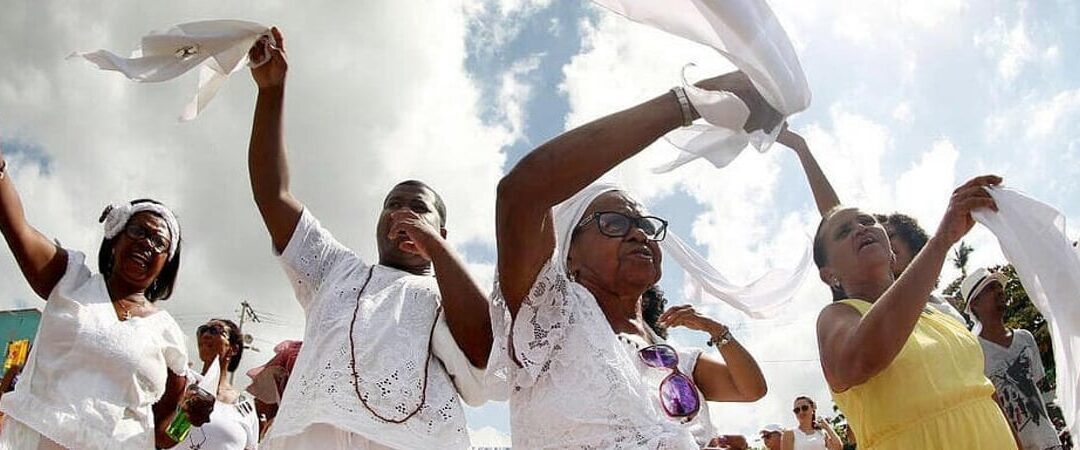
pixel 377 93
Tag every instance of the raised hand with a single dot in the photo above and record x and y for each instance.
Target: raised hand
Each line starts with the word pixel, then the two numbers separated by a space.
pixel 762 115
pixel 422 236
pixel 966 198
pixel 274 65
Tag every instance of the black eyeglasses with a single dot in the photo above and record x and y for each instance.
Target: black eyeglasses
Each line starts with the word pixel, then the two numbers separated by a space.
pixel 158 243
pixel 617 225
pixel 801 408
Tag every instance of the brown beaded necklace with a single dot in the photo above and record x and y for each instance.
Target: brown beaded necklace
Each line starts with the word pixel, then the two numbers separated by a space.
pixel 352 359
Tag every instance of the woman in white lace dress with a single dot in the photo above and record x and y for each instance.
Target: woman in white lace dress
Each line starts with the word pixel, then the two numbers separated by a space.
pixel 586 372
pixel 107 366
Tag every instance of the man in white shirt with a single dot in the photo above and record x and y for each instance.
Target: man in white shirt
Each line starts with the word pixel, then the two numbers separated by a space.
pixel 1011 360
pixel 388 348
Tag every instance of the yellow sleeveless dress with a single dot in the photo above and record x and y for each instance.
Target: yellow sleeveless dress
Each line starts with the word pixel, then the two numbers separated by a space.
pixel 933 396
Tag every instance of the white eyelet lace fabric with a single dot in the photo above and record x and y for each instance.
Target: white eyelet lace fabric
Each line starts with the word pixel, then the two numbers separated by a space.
pixel 393 328
pixel 576 386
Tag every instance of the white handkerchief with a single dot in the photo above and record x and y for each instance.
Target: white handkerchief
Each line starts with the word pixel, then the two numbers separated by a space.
pixel 219 46
pixel 746 33
pixel 1032 237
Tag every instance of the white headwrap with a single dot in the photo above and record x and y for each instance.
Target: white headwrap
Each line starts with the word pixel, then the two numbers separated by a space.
pixel 163 55
pixel 117 216
pixel 745 32
pixel 759 299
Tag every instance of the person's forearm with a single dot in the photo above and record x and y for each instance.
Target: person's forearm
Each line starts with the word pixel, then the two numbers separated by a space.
pixel 563 166
pixel 745 373
pixel 824 195
pixel 464 304
pixel 267 164
pixel 884 330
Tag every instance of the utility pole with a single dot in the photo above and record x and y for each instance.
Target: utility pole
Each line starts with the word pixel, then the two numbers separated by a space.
pixel 246 312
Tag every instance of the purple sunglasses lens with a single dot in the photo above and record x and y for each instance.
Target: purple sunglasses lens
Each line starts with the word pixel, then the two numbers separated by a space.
pixel 679 396
pixel 659 356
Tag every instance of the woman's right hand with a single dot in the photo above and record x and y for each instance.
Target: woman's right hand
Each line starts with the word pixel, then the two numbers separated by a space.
pixel 271 73
pixel 965 199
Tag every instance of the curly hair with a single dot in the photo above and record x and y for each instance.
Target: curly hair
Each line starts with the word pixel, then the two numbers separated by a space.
pixel 652 306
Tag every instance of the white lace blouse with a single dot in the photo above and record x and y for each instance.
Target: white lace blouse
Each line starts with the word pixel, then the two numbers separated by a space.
pixel 392 333
pixel 577 385
pixel 91 380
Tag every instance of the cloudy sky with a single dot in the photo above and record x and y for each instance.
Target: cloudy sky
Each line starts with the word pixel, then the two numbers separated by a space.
pixel 910 99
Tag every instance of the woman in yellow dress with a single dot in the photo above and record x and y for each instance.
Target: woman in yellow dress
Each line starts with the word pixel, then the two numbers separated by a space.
pixel 906 375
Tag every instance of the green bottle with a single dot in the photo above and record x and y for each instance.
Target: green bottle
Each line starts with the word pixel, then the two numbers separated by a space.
pixel 179 427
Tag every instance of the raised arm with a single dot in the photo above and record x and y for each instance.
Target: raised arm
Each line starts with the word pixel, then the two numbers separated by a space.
pixel 561 167
pixel 268 166
pixel 824 195
pixel 41 261
pixel 732 377
pixel 853 349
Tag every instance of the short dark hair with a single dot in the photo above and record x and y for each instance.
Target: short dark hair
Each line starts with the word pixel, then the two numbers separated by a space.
pixel 652 306
pixel 440 207
pixel 906 229
pixel 162 286
pixel 236 340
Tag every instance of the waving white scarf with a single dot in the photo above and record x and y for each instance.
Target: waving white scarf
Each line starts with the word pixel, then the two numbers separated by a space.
pixel 1032 237
pixel 746 33
pixel 219 46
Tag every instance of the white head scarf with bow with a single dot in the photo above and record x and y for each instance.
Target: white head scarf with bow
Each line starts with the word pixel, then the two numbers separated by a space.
pixel 116 217
pixel 759 299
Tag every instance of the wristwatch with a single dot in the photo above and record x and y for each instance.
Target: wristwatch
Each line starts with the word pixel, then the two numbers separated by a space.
pixel 721 340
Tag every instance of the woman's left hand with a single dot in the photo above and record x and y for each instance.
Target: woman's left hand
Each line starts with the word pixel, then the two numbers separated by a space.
pixel 686 316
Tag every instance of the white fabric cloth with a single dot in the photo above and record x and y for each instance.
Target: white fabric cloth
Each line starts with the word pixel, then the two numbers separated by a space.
pixel 747 33
pixel 1015 370
pixel 392 335
pixel 120 213
pixel 90 380
pixel 1032 237
pixel 232 426
pixel 763 298
pixel 219 46
pixel 17 436
pixel 803 441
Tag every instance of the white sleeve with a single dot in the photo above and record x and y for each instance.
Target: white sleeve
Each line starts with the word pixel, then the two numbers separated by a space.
pixel 174 346
pixel 468 380
pixel 540 326
pixel 311 254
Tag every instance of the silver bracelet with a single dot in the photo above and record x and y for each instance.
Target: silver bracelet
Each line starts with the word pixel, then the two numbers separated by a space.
pixel 3 169
pixel 684 105
pixel 722 340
